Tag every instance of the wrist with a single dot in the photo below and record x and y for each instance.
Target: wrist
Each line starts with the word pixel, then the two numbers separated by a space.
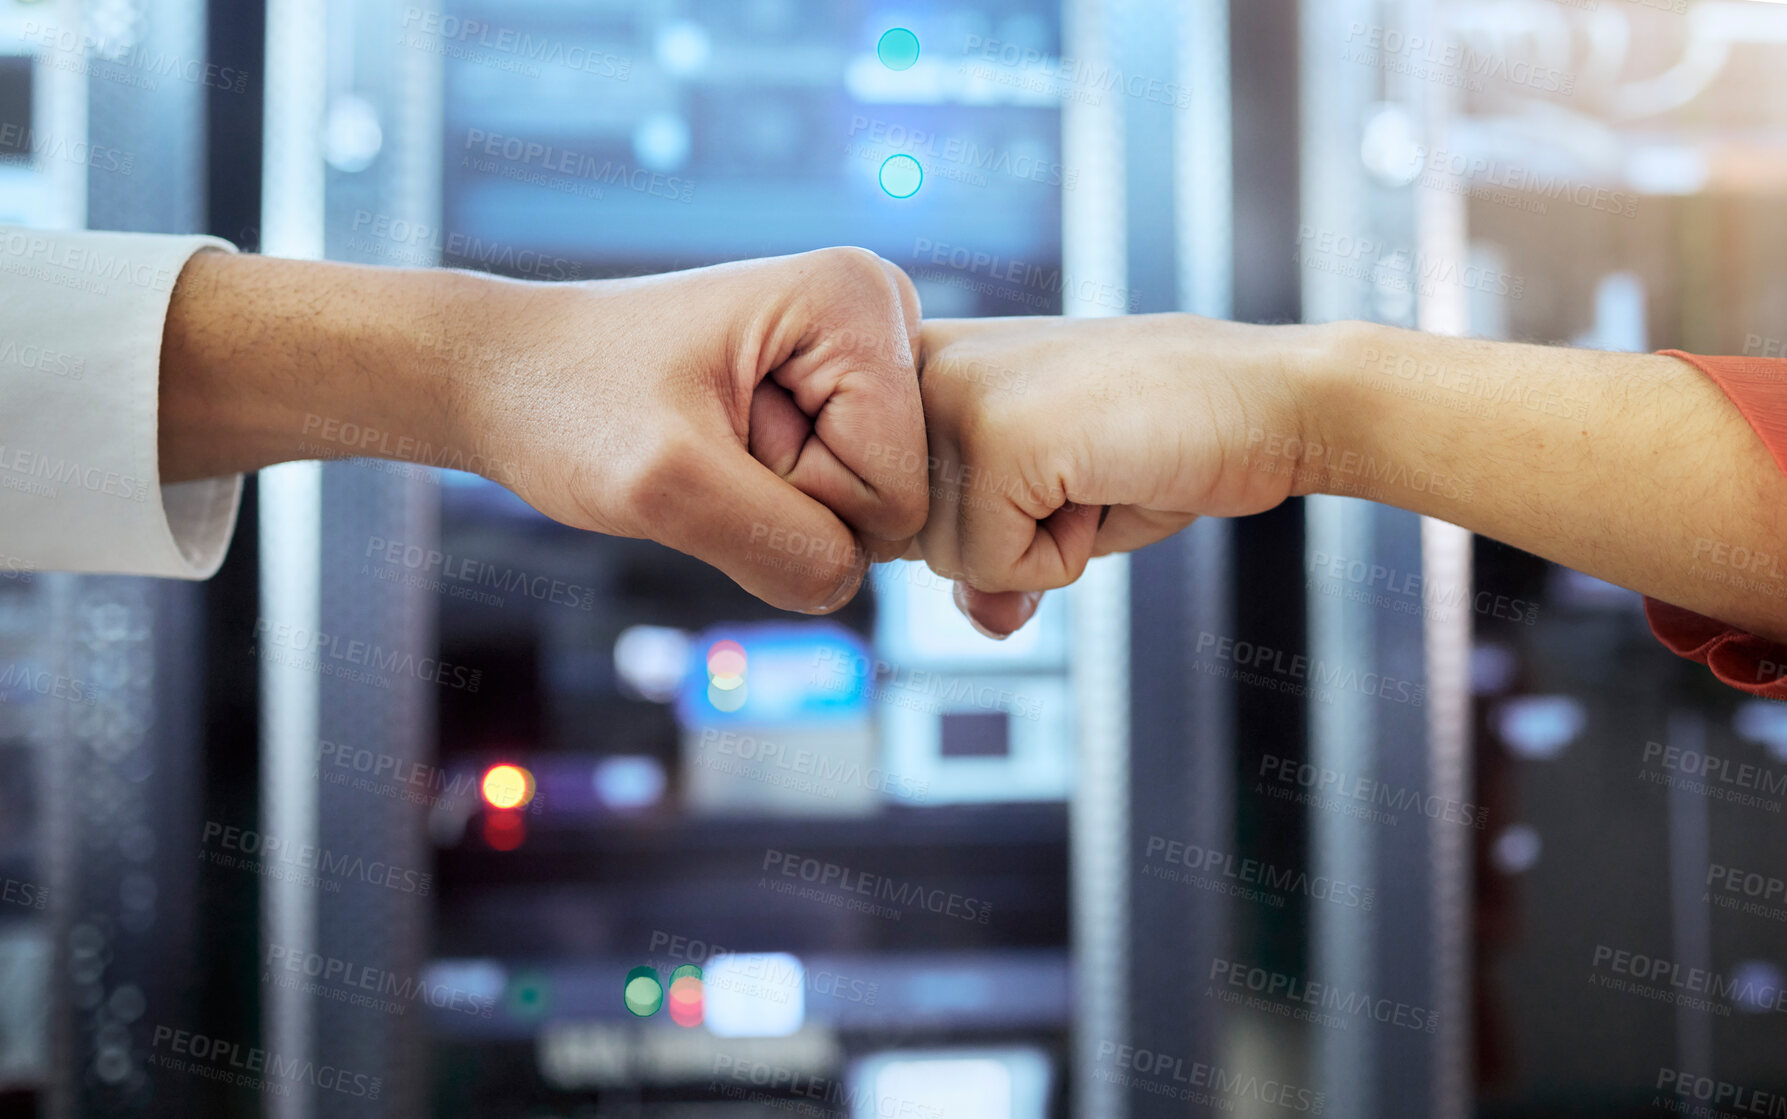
pixel 1341 422
pixel 447 348
pixel 267 360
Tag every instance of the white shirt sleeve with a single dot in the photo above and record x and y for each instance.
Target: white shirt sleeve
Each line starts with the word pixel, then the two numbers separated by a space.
pixel 81 318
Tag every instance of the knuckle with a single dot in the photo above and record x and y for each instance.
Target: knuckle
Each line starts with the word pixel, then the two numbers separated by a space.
pixel 859 270
pixel 907 505
pixel 655 478
pixel 985 432
pixel 852 260
pixel 986 577
pixel 913 519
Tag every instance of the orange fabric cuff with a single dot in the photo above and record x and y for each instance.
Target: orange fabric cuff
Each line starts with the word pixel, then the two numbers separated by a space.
pixel 1758 386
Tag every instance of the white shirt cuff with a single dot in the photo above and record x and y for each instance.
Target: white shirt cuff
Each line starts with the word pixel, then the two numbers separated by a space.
pixel 81 320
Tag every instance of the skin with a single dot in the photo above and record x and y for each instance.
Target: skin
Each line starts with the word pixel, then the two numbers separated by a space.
pixel 763 416
pixel 766 417
pixel 1636 469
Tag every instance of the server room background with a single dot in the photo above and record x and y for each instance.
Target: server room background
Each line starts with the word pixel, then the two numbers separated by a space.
pixel 637 845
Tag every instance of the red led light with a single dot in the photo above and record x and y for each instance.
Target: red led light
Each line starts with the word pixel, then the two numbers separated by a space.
pixel 686 1001
pixel 504 831
pixel 726 662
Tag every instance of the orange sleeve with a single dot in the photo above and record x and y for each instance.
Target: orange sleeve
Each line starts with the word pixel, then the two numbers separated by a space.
pixel 1758 386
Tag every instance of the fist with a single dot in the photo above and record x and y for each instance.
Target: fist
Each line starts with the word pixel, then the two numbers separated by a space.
pixel 1056 440
pixel 763 416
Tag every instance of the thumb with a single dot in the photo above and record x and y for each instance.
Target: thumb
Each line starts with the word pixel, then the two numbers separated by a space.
pixel 729 510
pixel 996 614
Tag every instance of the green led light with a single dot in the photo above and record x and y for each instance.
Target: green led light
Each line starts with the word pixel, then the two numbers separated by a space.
pixel 643 994
pixel 898 49
pixel 528 995
pixel 901 176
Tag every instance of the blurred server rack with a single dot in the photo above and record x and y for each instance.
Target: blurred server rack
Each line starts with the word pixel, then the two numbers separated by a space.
pixel 532 911
pixel 104 700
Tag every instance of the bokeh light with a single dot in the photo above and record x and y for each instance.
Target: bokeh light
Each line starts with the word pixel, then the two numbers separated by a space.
pixel 726 665
pixel 529 995
pixel 642 993
pixel 898 49
pixel 901 176
pixel 652 660
pixel 507 786
pixel 504 830
pixel 726 675
pixel 686 996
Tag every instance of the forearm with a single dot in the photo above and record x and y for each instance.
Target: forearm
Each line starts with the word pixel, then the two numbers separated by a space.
pixel 1633 468
pixel 267 360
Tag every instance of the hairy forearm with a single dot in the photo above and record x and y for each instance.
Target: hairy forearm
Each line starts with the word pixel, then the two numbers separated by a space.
pixel 267 360
pixel 1633 468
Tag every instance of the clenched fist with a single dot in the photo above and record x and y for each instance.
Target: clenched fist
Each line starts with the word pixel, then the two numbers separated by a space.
pixel 1056 440
pixel 728 412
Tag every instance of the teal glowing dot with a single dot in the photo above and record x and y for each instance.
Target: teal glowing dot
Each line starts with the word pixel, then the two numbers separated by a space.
pixel 898 49
pixel 528 995
pixel 643 994
pixel 901 176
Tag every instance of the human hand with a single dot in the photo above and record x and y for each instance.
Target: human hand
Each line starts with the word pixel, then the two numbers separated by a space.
pixel 723 411
pixel 1037 425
